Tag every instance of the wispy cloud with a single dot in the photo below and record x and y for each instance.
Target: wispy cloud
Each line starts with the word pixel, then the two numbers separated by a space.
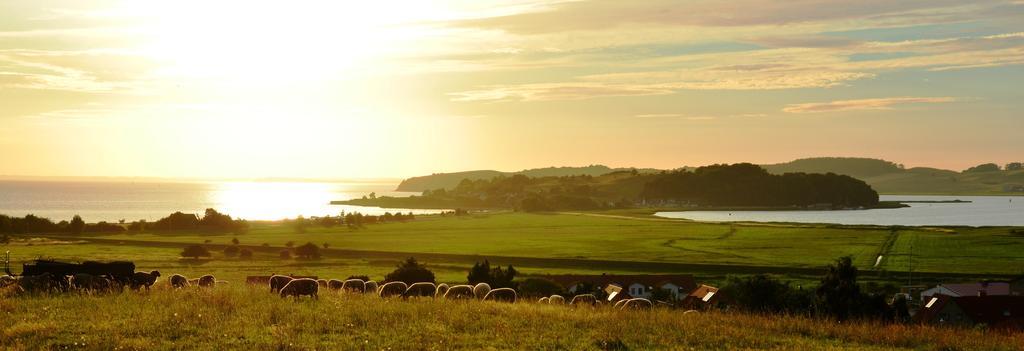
pixel 557 91
pixel 770 69
pixel 862 104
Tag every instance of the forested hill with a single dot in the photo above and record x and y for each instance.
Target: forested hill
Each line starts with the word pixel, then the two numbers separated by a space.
pixel 884 176
pixel 892 178
pixel 451 180
pixel 738 185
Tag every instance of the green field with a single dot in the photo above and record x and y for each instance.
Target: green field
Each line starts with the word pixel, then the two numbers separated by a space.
pixel 559 243
pixel 244 318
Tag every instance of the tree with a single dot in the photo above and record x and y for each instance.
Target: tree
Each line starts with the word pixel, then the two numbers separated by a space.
pixel 300 224
pixel 1014 166
pixel 286 254
pixel 231 251
pixel 245 254
pixel 290 244
pixel 480 273
pixel 308 251
pixel 985 167
pixel 195 251
pixel 327 245
pixel 410 271
pixel 77 225
pixel 495 277
pixel 234 241
pixel 839 291
pixel 503 278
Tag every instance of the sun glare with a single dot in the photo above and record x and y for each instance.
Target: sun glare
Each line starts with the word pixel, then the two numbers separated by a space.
pixel 267 200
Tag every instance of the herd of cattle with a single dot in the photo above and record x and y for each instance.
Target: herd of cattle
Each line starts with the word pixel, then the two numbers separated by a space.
pixel 287 286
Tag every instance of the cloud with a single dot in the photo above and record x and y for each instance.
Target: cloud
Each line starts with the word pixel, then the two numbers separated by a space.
pixel 766 69
pixel 556 91
pixel 603 14
pixel 862 104
pixel 90 71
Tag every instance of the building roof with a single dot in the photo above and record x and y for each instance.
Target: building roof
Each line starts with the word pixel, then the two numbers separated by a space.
pixel 998 311
pixel 685 281
pixel 972 289
pixel 704 293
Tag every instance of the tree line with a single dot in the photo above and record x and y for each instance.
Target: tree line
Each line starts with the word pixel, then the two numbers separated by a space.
pixel 32 224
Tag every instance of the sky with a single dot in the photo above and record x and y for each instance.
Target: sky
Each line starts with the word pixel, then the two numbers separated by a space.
pixel 352 89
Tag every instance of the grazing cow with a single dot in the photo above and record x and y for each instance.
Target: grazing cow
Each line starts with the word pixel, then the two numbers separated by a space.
pixel 501 295
pixel 207 281
pixel 459 292
pixel 420 289
pixel 301 287
pixel 278 281
pixel 370 287
pixel 353 285
pixel 637 304
pixel 393 289
pixel 335 284
pixel 143 279
pixel 84 281
pixel 441 289
pixel 556 300
pixel 481 290
pixel 179 281
pixel 584 299
pixel 322 283
pixel 543 300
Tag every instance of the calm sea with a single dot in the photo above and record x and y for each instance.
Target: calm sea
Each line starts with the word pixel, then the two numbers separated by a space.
pixel 981 211
pixel 114 200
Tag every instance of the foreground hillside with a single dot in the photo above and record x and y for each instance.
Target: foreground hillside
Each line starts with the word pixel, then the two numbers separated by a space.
pixel 239 317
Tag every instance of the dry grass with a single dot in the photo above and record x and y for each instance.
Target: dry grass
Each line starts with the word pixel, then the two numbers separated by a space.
pixel 238 317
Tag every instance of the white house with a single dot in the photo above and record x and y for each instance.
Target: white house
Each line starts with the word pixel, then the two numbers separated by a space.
pixel 633 285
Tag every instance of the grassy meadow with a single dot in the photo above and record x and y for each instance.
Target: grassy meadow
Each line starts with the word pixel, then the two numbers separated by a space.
pixel 559 243
pixel 242 317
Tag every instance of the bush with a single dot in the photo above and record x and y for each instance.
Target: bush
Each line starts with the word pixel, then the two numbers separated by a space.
pixel 537 287
pixel 231 251
pixel 763 293
pixel 410 271
pixel 195 251
pixel 308 251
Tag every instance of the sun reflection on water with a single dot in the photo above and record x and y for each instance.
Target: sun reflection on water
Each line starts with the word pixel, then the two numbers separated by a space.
pixel 273 200
pixel 279 200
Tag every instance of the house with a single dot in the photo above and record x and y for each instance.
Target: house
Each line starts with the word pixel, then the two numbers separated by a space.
pixel 703 297
pixel 1001 311
pixel 969 289
pixel 633 285
pixel 1017 286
